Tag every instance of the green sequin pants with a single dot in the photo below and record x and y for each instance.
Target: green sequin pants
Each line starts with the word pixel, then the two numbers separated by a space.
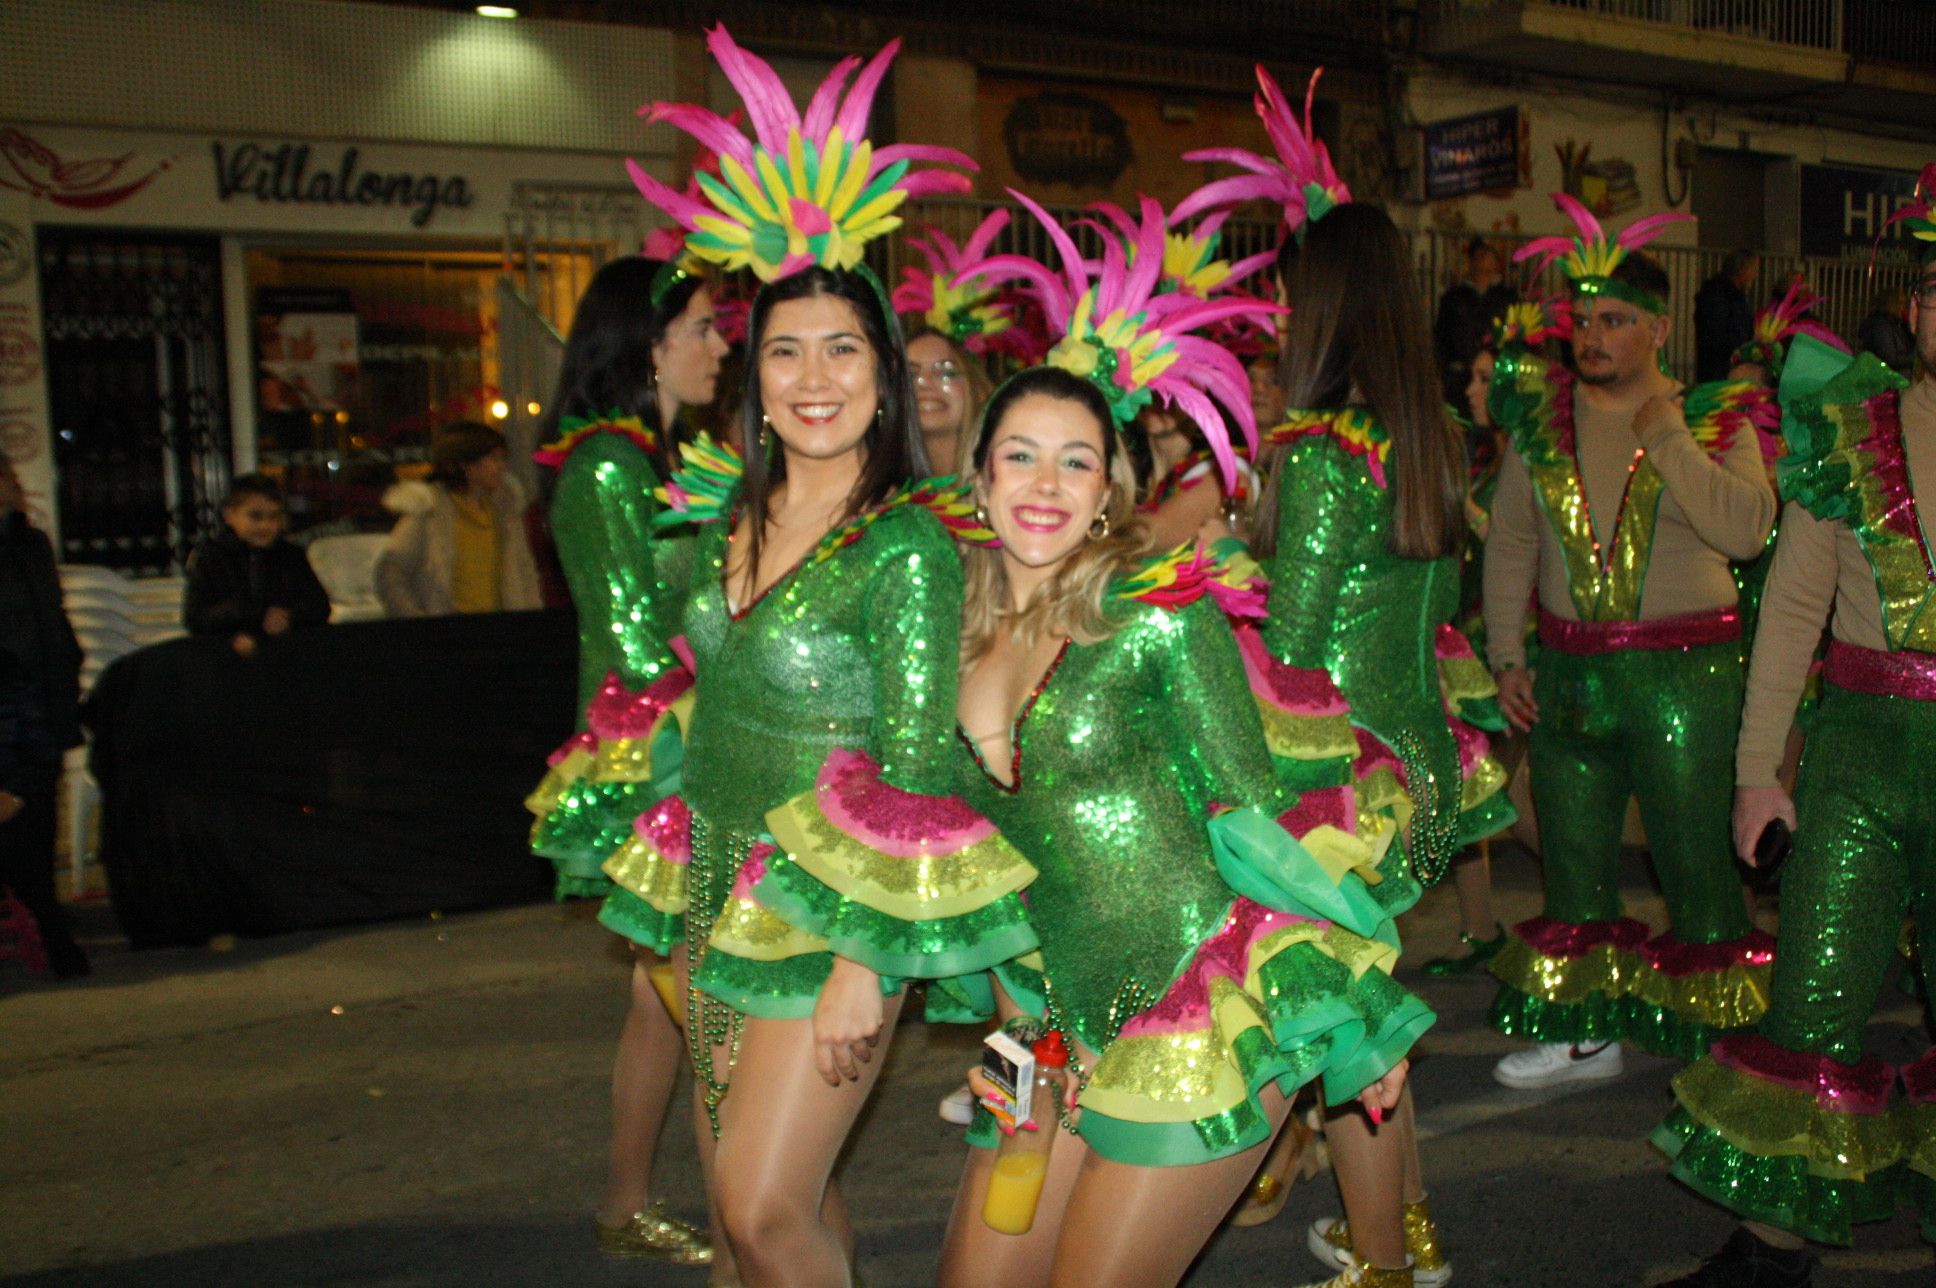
pixel 1865 856
pixel 1657 724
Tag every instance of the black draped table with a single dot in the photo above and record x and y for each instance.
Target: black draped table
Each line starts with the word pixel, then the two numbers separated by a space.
pixel 352 773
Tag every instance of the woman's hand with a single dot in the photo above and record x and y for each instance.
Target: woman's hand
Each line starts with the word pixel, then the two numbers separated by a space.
pixel 846 1021
pixel 1754 809
pixel 1381 1097
pixel 1516 698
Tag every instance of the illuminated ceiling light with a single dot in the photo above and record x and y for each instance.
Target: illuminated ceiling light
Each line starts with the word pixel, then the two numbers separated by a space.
pixel 496 11
pixel 532 409
pixel 500 409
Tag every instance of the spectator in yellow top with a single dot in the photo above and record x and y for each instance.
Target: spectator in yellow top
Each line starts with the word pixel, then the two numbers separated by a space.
pixel 459 542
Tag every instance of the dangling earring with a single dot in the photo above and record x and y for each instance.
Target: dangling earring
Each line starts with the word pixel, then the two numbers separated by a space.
pixel 981 514
pixel 1100 528
pixel 766 423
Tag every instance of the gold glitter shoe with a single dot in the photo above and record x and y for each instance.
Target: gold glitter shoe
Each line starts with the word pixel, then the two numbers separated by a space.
pixel 657 1234
pixel 1269 1191
pixel 1363 1276
pixel 1330 1241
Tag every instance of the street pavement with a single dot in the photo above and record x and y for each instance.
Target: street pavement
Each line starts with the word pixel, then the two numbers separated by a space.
pixel 425 1103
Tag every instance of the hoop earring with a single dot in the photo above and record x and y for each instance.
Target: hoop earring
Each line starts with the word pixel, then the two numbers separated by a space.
pixel 1100 528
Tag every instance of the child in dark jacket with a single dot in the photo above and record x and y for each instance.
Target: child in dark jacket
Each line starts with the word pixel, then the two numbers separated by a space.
pixel 248 582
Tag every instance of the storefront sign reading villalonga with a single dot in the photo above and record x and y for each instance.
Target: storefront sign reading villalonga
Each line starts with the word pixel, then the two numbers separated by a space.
pixel 1066 138
pixel 285 174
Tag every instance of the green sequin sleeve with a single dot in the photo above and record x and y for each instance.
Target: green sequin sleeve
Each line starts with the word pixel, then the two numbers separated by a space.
pixel 1217 733
pixel 913 627
pixel 624 581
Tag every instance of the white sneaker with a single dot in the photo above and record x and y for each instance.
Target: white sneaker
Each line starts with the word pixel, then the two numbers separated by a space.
pixel 1552 1063
pixel 958 1107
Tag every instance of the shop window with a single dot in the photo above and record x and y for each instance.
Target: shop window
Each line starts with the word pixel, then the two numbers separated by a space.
pixel 359 357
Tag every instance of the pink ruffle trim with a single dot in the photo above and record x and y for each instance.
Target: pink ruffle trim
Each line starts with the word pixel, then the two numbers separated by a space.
pixel 753 870
pixel 667 828
pixel 1374 755
pixel 1677 958
pixel 1320 807
pixel 1919 1079
pixel 1450 644
pixel 1567 940
pixel 857 800
pixel 618 712
pixel 1225 955
pixel 1866 670
pixel 1302 691
pixel 1861 1088
pixel 585 741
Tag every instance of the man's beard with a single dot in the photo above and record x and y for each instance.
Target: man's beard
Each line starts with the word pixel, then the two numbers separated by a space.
pixel 1599 380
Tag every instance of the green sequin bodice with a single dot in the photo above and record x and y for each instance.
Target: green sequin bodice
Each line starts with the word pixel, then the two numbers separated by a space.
pixel 627 584
pixel 1341 600
pixel 1122 753
pixel 853 650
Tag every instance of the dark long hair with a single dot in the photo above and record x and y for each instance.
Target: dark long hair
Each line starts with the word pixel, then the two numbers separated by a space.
pixel 893 454
pixel 1358 330
pixel 608 356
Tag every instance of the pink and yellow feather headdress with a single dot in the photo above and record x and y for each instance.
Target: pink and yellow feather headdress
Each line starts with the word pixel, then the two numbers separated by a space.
pixel 1919 218
pixel 1130 338
pixel 1300 178
pixel 1589 258
pixel 949 296
pixel 807 189
pixel 1781 322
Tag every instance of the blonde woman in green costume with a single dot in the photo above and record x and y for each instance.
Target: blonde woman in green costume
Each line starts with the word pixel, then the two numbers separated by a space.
pixel 1206 945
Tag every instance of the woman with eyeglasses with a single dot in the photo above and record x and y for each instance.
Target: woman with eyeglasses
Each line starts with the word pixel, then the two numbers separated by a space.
pixel 950 387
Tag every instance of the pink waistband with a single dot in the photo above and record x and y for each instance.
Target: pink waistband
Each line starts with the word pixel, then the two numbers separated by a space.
pixel 1908 674
pixel 1715 626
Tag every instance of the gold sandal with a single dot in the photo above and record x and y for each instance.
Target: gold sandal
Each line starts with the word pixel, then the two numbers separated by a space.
pixel 657 1234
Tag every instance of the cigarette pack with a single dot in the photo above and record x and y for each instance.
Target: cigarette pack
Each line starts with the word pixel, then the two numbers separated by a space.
pixel 1009 1066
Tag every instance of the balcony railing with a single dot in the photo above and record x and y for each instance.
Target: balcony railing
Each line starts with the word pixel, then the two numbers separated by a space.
pixel 1806 24
pixel 1890 31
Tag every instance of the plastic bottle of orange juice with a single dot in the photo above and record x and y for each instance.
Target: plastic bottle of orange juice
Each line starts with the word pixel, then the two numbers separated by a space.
pixel 1022 1157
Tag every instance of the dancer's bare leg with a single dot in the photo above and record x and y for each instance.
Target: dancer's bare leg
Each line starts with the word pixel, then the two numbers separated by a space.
pixel 1370 1163
pixel 1472 881
pixel 974 1256
pixel 1098 1224
pixel 781 1131
pixel 1141 1227
pixel 725 1271
pixel 1405 1118
pixel 650 1050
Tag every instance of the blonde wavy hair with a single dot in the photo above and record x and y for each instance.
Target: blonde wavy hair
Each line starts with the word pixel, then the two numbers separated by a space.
pixel 1073 602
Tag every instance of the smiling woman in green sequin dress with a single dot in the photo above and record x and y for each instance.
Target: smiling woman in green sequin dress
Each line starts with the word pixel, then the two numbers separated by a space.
pixel 1203 962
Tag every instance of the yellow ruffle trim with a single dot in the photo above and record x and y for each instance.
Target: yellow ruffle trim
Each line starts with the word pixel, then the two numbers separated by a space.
pixel 1919 1136
pixel 1604 970
pixel 638 866
pixel 1465 679
pixel 1769 1120
pixel 557 781
pixel 745 929
pixel 922 888
pixel 1185 1076
pixel 1295 737
pixel 1729 999
pixel 1485 780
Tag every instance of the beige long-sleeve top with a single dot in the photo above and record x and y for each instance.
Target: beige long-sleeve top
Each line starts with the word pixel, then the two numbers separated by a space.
pixel 1819 564
pixel 1710 512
